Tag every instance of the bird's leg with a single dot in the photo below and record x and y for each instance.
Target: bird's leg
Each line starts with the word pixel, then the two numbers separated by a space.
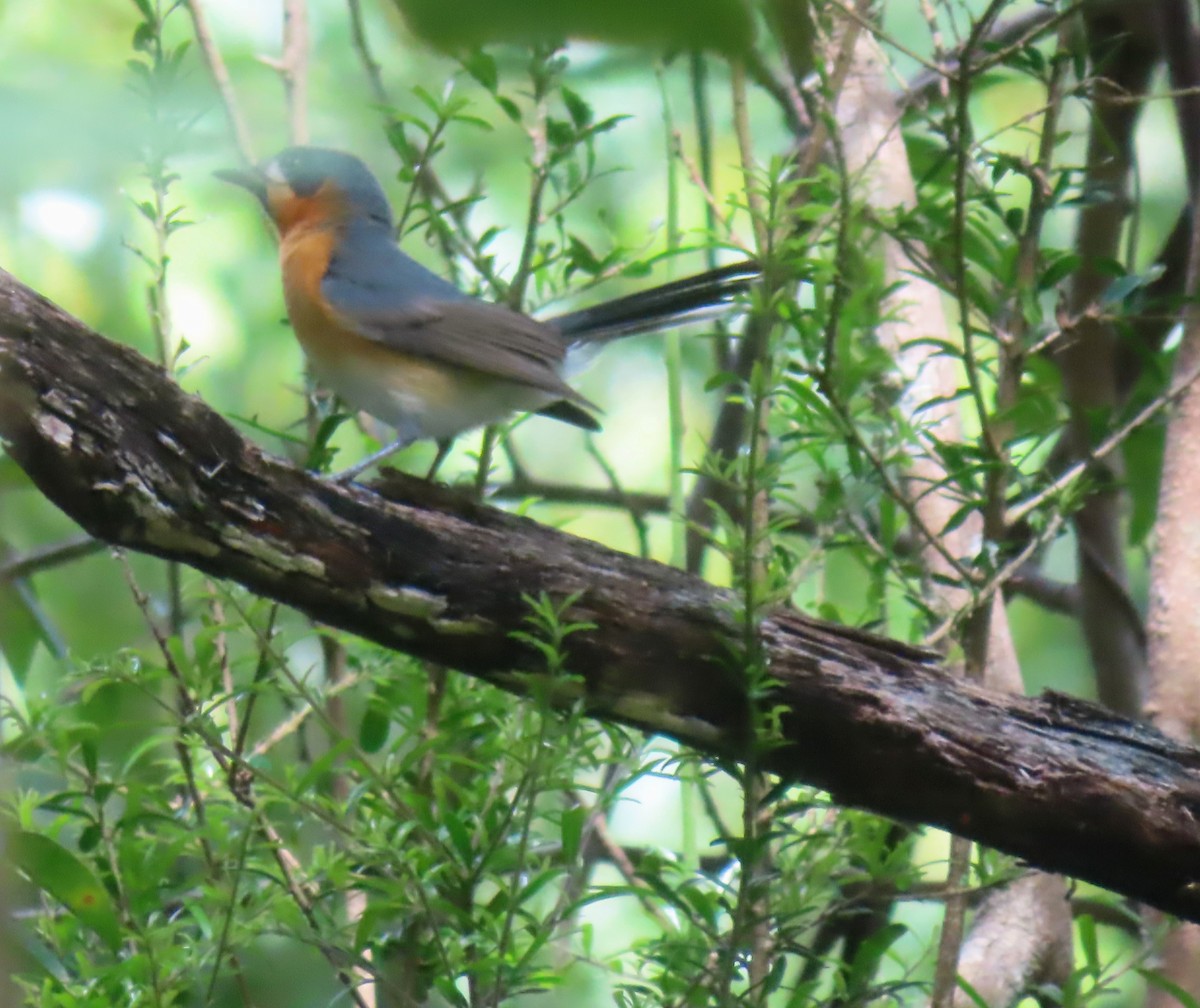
pixel 444 446
pixel 346 475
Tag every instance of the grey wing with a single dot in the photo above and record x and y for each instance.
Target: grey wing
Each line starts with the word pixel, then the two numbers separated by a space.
pixel 466 333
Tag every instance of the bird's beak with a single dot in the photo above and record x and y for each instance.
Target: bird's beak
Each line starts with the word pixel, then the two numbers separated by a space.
pixel 250 179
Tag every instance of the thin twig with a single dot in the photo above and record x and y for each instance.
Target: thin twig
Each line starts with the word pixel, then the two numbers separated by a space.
pixel 221 80
pixel 636 516
pixel 620 860
pixel 1051 595
pixel 291 724
pixel 959 141
pixel 1000 578
pixel 187 708
pixel 292 67
pixel 48 557
pixel 358 38
pixel 522 487
pixel 539 159
pixel 385 785
pixel 1097 454
pixel 715 211
pixel 221 649
pixel 1002 39
pixel 754 198
pixel 288 866
pixel 782 89
pixel 295 68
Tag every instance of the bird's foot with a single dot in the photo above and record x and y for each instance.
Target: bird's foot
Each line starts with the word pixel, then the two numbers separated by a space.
pixel 347 475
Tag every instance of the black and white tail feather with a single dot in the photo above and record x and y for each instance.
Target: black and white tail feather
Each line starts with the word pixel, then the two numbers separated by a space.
pixel 692 299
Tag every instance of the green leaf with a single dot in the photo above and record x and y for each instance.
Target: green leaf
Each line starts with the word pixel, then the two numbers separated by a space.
pixel 63 876
pixel 1143 455
pixel 571 829
pixel 580 111
pixel 23 625
pixel 12 476
pixel 482 66
pixel 321 766
pixel 1085 927
pixel 581 257
pixel 143 38
pixel 510 108
pixel 560 133
pixel 971 993
pixel 373 729
pixel 18 631
pixel 537 884
pixel 1058 270
pixel 1155 979
pixel 871 952
pixel 460 838
pixel 1121 288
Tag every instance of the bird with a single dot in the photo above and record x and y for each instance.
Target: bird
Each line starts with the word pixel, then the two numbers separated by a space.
pixel 397 341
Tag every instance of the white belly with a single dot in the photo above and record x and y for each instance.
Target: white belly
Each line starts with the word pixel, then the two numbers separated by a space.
pixel 423 400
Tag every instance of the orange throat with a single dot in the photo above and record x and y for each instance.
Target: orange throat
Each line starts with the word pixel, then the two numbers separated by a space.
pixel 304 255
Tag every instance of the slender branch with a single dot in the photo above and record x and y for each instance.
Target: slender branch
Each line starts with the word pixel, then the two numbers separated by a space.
pixel 1121 44
pixel 1002 38
pixel 292 67
pixel 187 709
pixel 36 561
pixel 219 73
pixel 636 516
pixel 539 161
pixel 1072 475
pixel 295 68
pixel 289 868
pixel 1053 596
pixel 358 36
pixel 714 212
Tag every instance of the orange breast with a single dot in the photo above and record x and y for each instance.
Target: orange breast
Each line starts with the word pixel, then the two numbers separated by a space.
pixel 308 233
pixel 304 254
pixel 368 375
pixel 304 257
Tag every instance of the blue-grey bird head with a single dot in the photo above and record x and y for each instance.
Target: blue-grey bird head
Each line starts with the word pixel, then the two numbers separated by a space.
pixel 307 169
pixel 315 173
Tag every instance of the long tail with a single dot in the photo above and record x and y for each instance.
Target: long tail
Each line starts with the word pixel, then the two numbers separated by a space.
pixel 691 299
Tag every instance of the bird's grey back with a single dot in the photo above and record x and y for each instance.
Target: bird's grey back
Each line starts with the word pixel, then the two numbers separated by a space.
pixel 369 273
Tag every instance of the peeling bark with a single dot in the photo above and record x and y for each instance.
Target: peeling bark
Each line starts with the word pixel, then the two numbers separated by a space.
pixel 1059 782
